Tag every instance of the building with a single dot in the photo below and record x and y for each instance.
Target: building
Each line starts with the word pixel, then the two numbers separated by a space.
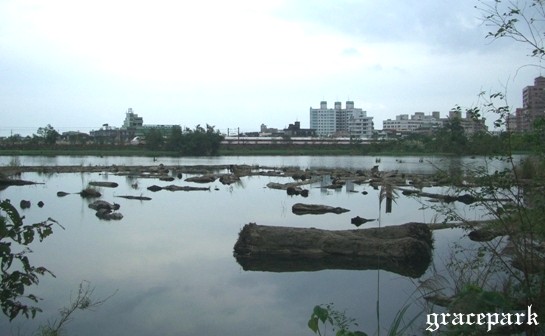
pixel 533 107
pixel 339 122
pixel 470 124
pixel 133 127
pixel 295 130
pixel 360 125
pixel 422 123
pixel 419 120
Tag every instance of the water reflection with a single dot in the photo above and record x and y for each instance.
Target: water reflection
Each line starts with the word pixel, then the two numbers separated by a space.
pixel 171 257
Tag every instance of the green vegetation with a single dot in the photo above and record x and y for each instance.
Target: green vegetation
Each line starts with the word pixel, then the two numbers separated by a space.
pixel 83 301
pixel 338 321
pixel 506 271
pixel 17 271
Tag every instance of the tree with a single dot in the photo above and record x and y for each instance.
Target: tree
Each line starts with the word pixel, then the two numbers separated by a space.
pixel 496 278
pixel 17 272
pixel 451 138
pixel 154 139
pixel 174 141
pixel 201 141
pixel 521 21
pixel 48 134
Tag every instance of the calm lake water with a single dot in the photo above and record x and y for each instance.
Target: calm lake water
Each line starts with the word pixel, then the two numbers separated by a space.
pixel 170 261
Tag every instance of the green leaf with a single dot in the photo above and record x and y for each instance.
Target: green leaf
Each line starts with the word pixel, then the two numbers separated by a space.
pixel 313 323
pixel 321 313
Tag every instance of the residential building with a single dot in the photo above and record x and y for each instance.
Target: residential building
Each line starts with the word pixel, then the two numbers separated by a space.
pixel 419 120
pixel 360 125
pixel 470 124
pixel 337 121
pixel 533 107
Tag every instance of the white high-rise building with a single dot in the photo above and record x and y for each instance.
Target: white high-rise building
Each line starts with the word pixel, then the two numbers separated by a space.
pixel 337 121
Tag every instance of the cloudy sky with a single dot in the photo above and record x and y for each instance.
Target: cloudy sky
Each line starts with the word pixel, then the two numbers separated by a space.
pixel 237 64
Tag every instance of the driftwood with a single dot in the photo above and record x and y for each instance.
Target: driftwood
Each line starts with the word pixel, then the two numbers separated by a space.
pixel 6 182
pixel 404 249
pixel 103 184
pixel 141 198
pixel 285 186
pixel 202 179
pixel 315 209
pixel 173 187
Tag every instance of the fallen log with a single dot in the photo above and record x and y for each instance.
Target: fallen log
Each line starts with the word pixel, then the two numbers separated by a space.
pixel 315 209
pixel 202 179
pixel 404 249
pixel 173 187
pixel 141 198
pixel 103 184
pixel 6 182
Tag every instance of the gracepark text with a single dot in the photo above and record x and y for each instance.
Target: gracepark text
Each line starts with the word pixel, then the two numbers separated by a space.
pixel 434 321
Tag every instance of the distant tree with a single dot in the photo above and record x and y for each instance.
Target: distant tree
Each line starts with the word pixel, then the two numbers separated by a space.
pixel 174 141
pixel 451 138
pixel 201 141
pixel 48 134
pixel 154 139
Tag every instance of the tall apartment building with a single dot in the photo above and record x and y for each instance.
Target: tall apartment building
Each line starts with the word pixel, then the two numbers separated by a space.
pixel 533 107
pixel 337 121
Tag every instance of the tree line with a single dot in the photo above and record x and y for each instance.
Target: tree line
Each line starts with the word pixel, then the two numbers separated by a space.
pixel 198 141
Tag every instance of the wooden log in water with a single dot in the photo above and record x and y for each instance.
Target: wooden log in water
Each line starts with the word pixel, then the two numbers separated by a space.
pixel 404 249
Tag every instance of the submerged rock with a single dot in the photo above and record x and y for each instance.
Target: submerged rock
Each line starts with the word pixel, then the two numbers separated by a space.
pixel 357 221
pixel 90 193
pixel 228 179
pixel 100 204
pixel 108 215
pixel 106 210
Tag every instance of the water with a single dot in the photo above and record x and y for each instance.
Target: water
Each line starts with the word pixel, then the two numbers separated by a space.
pixel 170 261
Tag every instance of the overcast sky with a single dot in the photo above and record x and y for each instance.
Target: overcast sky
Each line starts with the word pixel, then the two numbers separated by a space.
pixel 237 64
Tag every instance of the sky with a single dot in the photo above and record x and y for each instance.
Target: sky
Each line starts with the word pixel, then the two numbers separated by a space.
pixel 237 64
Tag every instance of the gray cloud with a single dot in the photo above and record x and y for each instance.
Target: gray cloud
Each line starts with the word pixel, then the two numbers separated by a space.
pixel 455 27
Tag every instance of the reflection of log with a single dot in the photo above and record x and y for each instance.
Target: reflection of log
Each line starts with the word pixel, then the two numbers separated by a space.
pixel 404 249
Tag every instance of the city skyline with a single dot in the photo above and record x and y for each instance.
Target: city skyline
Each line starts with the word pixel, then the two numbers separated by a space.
pixel 240 64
